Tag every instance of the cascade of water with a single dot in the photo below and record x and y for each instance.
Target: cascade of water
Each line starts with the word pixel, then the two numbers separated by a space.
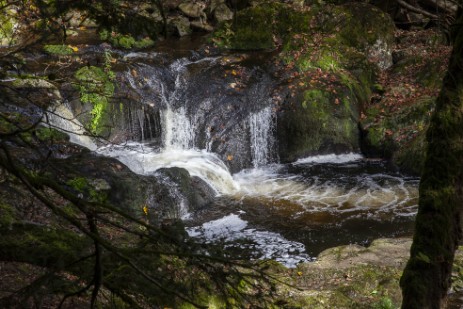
pixel 261 126
pixel 178 130
pixel 180 209
pixel 62 118
pixel 141 120
pixel 142 159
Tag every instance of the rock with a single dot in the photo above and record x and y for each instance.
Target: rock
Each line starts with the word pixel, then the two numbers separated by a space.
pixel 222 13
pixel 194 10
pixel 168 195
pixel 76 19
pixel 33 83
pixel 73 18
pixel 203 26
pixel 315 121
pixel 365 28
pixel 181 25
pixel 214 4
pixel 171 5
pixel 385 252
pixel 394 127
pixel 23 92
pixel 100 184
pixel 150 10
pixel 175 195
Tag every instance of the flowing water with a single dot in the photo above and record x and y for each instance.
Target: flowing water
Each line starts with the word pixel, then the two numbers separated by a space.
pixel 288 212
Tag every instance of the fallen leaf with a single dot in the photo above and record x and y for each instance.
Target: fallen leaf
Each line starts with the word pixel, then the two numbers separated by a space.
pixel 74 48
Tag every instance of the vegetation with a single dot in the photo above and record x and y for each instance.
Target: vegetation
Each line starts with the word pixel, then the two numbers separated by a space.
pixel 438 230
pixel 59 49
pixel 74 234
pixel 125 41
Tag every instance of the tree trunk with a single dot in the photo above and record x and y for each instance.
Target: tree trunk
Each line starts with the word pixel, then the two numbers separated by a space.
pixel 426 278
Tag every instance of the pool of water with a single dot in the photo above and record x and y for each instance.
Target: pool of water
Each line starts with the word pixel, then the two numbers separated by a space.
pixel 309 206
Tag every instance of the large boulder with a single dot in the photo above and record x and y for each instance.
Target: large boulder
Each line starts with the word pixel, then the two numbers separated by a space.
pixel 165 197
pixel 318 120
pixel 328 61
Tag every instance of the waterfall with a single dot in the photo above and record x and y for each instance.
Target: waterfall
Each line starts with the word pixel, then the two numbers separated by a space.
pixel 261 126
pixel 61 117
pixel 178 130
pixel 145 160
pixel 141 120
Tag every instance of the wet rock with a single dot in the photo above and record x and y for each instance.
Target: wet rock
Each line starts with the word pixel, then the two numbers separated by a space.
pixel 169 195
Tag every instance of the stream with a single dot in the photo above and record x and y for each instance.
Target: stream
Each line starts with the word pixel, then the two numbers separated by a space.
pixel 289 212
pixel 193 119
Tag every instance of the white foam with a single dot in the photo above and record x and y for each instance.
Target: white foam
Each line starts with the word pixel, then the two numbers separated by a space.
pixel 378 192
pixel 266 245
pixel 331 158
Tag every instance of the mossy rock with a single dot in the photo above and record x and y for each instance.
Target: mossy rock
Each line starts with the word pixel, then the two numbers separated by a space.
pixel 318 121
pixel 125 41
pixel 23 92
pixel 58 50
pixel 257 27
pixel 362 25
pixel 350 276
pixel 399 135
pixel 96 89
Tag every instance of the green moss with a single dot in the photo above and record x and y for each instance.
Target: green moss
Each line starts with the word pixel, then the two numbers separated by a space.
pixel 82 185
pixel 362 25
pixel 322 120
pixel 258 27
pixel 58 49
pixel 49 134
pixel 96 88
pixel 7 215
pixel 125 41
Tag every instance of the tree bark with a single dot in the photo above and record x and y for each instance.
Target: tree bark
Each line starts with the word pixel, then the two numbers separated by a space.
pixel 438 230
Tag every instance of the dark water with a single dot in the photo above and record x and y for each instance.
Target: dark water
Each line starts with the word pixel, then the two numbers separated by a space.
pixel 318 204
